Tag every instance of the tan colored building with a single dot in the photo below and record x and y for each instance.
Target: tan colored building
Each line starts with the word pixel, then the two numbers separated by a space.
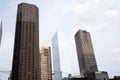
pixel 26 57
pixel 85 53
pixel 46 68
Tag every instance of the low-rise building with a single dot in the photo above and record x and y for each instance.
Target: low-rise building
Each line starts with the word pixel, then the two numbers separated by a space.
pixel 76 77
pixel 115 78
pixel 100 75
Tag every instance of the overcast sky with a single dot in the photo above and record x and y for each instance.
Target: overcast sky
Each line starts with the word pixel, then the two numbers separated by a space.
pixel 99 17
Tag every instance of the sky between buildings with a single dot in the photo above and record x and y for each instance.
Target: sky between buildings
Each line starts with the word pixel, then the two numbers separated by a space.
pixel 99 17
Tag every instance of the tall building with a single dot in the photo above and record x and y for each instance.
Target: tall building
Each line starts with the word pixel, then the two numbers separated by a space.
pixel 57 74
pixel 46 68
pixel 0 30
pixel 62 63
pixel 26 57
pixel 85 53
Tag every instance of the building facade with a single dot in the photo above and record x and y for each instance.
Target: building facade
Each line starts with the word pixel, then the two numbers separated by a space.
pixel 76 77
pixel 26 57
pixel 0 30
pixel 99 75
pixel 46 68
pixel 115 78
pixel 57 74
pixel 85 53
pixel 63 56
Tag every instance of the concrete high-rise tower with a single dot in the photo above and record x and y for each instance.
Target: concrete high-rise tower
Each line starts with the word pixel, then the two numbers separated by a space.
pixel 46 66
pixel 26 61
pixel 0 30
pixel 85 52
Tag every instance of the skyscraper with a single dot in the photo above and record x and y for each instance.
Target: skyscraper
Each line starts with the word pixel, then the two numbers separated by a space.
pixel 26 62
pixel 61 55
pixel 56 58
pixel 46 68
pixel 0 30
pixel 85 53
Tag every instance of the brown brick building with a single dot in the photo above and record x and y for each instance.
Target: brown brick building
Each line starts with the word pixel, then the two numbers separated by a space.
pixel 26 61
pixel 46 68
pixel 86 57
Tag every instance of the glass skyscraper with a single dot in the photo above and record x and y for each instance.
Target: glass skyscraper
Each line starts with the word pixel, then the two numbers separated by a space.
pixel 57 74
pixel 61 55
pixel 0 30
pixel 85 52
